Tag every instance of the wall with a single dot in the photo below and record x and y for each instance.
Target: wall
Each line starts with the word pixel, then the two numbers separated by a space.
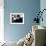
pixel 29 8
pixel 43 6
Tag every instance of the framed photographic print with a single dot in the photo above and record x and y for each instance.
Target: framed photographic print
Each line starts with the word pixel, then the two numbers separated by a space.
pixel 16 18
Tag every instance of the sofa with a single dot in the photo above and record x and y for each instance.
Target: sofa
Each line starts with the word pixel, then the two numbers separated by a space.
pixel 39 33
pixel 39 37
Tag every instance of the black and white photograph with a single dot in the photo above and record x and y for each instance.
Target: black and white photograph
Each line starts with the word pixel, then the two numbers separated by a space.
pixel 17 18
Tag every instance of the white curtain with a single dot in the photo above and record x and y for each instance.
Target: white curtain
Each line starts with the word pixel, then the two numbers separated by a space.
pixel 1 20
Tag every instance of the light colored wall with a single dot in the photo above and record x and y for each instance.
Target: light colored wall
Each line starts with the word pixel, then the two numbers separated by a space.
pixel 43 6
pixel 29 8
